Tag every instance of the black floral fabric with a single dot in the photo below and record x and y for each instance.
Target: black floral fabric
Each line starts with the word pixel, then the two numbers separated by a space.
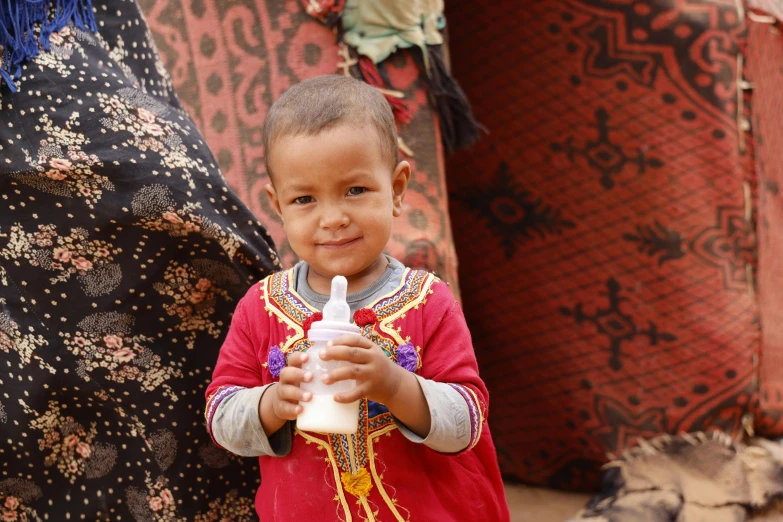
pixel 122 256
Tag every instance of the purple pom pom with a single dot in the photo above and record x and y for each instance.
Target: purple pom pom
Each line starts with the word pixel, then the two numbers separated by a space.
pixel 408 357
pixel 276 361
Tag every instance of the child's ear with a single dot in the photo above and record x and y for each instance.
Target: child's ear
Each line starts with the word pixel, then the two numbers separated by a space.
pixel 400 178
pixel 271 193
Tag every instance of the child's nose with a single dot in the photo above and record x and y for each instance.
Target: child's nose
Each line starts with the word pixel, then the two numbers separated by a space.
pixel 334 217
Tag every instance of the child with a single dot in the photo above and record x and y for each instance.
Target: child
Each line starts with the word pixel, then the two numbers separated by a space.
pixel 423 451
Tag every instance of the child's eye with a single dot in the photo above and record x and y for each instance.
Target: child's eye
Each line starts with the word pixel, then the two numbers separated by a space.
pixel 303 200
pixel 355 191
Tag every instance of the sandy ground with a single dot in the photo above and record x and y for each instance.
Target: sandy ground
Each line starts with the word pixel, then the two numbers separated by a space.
pixel 542 505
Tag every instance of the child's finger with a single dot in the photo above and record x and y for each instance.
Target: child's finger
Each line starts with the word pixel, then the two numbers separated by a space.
pixel 357 393
pixel 350 353
pixel 288 410
pixel 293 394
pixel 352 340
pixel 353 371
pixel 297 359
pixel 295 376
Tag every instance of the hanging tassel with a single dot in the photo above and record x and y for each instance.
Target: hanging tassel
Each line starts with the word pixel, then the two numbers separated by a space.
pixel 18 19
pixel 371 75
pixel 458 127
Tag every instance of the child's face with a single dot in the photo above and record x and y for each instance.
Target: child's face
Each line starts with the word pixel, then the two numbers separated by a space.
pixel 337 197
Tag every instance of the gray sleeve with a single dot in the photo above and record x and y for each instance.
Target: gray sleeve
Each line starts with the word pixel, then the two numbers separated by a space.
pixel 237 427
pixel 450 424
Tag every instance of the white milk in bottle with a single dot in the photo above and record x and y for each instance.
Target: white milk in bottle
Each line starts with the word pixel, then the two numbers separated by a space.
pixel 321 414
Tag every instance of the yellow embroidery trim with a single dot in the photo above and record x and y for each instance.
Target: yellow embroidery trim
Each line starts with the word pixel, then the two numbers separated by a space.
pixel 358 484
pixel 386 323
pixel 403 280
pixel 282 317
pixel 333 462
pixel 290 276
pixel 367 509
pixel 371 457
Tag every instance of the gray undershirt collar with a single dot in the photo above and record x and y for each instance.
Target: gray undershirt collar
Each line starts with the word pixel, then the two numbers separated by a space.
pixel 388 281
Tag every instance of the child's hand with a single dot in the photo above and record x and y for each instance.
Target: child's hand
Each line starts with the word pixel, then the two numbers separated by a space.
pixel 377 377
pixel 288 393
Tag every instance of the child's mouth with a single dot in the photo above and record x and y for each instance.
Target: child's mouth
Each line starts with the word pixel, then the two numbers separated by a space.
pixel 338 243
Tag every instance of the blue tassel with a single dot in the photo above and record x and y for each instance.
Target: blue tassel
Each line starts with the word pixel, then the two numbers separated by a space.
pixel 18 19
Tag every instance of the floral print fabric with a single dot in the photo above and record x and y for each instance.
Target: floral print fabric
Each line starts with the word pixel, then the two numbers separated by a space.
pixel 122 256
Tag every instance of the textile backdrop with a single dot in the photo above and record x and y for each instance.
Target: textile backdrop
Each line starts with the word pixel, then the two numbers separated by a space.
pixel 607 225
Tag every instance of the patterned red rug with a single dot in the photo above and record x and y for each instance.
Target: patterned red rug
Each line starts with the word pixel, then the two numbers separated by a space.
pixel 607 225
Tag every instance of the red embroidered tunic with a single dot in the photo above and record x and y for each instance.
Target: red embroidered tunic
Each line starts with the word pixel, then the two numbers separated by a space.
pixel 377 474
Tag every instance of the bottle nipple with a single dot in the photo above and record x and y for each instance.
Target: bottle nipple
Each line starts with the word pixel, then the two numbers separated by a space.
pixel 337 309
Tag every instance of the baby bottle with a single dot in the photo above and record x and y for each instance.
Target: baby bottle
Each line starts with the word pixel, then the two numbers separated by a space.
pixel 321 413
